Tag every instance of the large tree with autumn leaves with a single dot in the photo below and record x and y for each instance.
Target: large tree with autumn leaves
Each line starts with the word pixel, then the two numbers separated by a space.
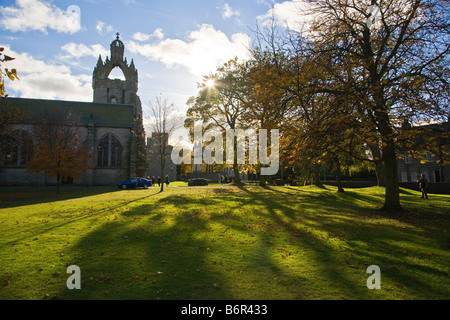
pixel 394 66
pixel 356 74
pixel 343 86
pixel 60 150
pixel 220 104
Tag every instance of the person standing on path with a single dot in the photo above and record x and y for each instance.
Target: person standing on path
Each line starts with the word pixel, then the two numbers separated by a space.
pixel 423 184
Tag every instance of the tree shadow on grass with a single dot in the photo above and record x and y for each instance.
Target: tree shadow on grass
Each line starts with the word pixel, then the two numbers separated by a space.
pixel 356 230
pixel 324 259
pixel 48 224
pixel 16 198
pixel 240 245
pixel 151 260
pixel 405 191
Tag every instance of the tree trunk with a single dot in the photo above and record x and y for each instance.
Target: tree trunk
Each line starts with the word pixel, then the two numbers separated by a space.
pixel 379 169
pixel 379 166
pixel 163 178
pixel 262 180
pixel 317 174
pixel 58 183
pixel 392 194
pixel 237 178
pixel 338 175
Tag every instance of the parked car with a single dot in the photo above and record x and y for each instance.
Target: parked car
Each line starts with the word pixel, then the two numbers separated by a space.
pixel 197 182
pixel 135 183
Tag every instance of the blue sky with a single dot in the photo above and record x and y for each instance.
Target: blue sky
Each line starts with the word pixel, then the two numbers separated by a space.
pixel 173 42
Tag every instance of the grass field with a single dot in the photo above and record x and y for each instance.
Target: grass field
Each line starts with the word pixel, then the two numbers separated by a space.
pixel 222 243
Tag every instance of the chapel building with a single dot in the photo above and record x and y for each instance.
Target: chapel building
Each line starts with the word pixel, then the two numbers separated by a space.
pixel 111 127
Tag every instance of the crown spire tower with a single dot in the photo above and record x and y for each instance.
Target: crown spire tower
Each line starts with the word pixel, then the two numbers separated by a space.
pixel 116 91
pixel 108 90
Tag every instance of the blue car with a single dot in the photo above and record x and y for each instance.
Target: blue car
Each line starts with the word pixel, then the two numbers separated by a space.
pixel 135 183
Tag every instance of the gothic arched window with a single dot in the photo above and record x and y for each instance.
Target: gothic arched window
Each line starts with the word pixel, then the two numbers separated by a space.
pixel 109 152
pixel 103 151
pixel 116 152
pixel 17 149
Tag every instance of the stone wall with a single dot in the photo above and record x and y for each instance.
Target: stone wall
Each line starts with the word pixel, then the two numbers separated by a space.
pixel 154 168
pixel 109 177
pixel 19 176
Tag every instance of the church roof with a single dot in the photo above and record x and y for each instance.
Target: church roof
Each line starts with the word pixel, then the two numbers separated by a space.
pixel 103 114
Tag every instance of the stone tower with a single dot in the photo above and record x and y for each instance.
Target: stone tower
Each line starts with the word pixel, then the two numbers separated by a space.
pixel 115 90
pixel 118 91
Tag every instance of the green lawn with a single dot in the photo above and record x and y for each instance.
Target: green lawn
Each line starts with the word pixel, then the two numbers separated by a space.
pixel 222 243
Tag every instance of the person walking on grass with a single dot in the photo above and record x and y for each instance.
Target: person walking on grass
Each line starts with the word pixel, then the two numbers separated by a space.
pixel 167 180
pixel 423 184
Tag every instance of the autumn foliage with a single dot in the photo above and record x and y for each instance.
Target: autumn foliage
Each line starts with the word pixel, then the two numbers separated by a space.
pixel 11 74
pixel 340 90
pixel 60 151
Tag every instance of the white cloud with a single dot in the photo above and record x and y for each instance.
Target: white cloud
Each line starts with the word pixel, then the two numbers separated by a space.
pixel 142 37
pixel 42 80
pixel 267 3
pixel 294 15
pixel 228 12
pixel 205 50
pixel 158 33
pixel 39 15
pixel 80 50
pixel 101 26
pixel 139 36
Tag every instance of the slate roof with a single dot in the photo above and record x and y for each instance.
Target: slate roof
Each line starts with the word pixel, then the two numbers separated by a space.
pixel 103 114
